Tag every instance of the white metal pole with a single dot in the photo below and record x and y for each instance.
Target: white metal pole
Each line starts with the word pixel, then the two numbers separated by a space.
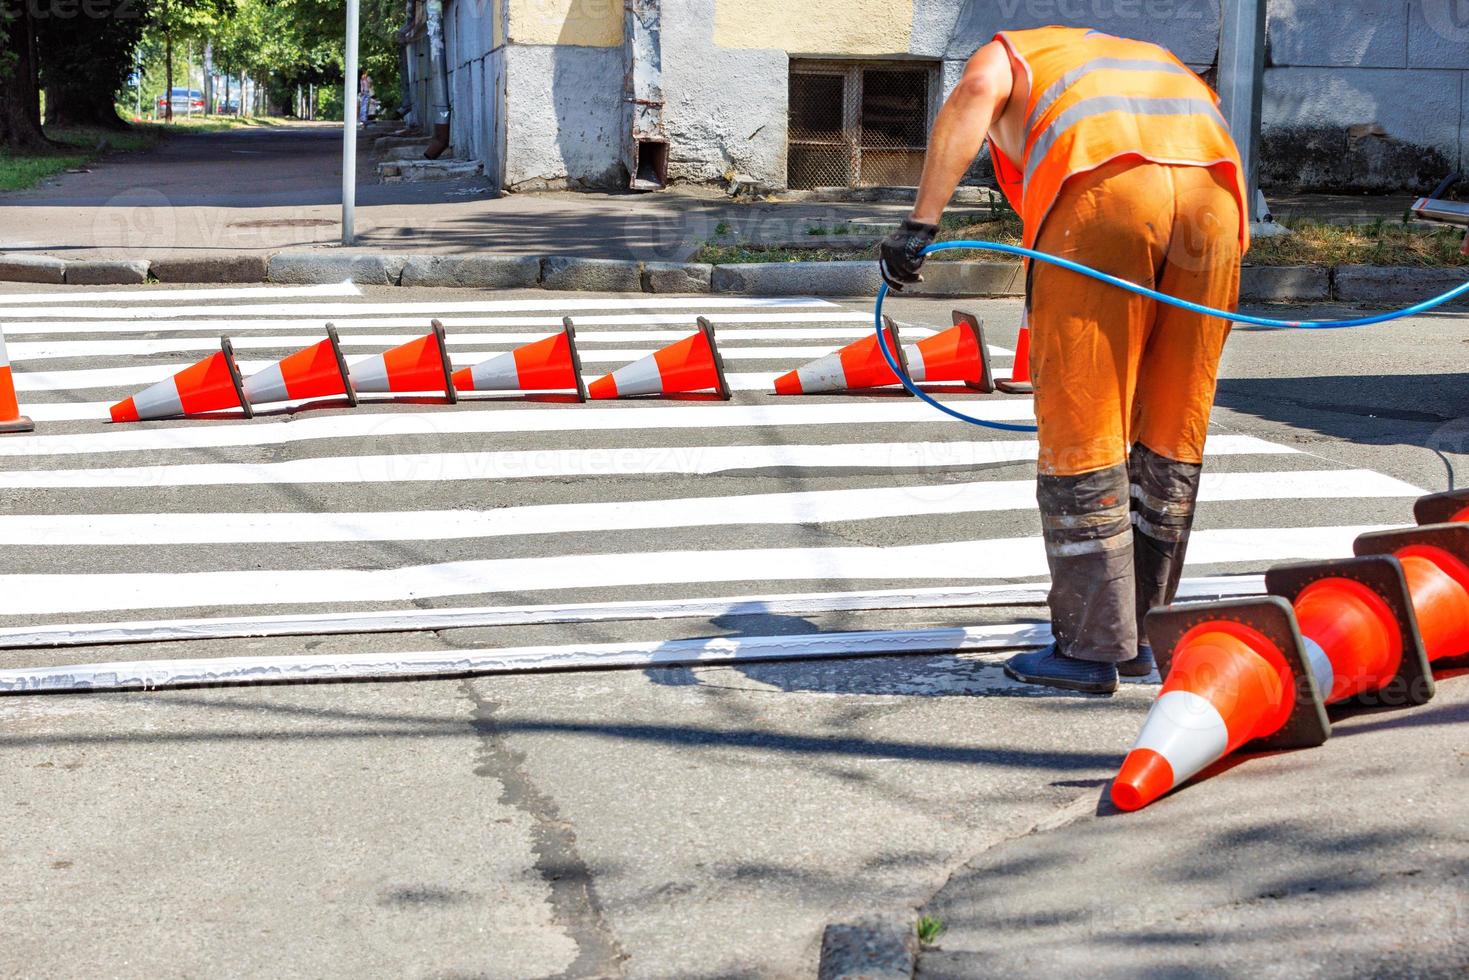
pixel 349 129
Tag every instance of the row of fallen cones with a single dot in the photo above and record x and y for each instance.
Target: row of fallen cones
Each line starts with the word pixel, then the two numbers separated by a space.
pixel 689 365
pixel 1257 674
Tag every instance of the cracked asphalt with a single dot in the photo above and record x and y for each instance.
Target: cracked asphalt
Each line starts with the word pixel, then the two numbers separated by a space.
pixel 710 822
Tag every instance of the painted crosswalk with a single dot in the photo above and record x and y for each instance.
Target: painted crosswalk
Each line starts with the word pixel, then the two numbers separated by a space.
pixel 404 506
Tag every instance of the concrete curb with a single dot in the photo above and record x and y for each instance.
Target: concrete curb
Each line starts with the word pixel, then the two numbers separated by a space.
pixel 1370 285
pixel 871 948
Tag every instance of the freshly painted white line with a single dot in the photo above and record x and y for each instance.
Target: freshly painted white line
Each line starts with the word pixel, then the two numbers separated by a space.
pixel 415 620
pixel 238 671
pixel 285 345
pixel 550 463
pixel 801 507
pixel 423 309
pixel 534 325
pixel 214 435
pixel 1005 558
pixel 129 378
pixel 75 296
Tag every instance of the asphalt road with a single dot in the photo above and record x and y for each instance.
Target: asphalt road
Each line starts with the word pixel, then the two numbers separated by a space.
pixel 664 822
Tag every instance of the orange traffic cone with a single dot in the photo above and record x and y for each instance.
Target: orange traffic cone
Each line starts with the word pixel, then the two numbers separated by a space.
pixel 542 366
pixel 1019 383
pixel 1435 562
pixel 858 365
pixel 419 365
pixel 957 354
pixel 689 365
pixel 1361 636
pixel 10 418
pixel 1443 508
pixel 317 371
pixel 1235 673
pixel 209 386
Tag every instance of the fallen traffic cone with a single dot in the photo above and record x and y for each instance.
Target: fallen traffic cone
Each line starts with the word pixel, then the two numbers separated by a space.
pixel 958 354
pixel 542 366
pixel 689 365
pixel 419 365
pixel 858 365
pixel 1235 674
pixel 10 418
pixel 209 386
pixel 1019 383
pixel 1435 563
pixel 1356 618
pixel 317 371
pixel 1443 508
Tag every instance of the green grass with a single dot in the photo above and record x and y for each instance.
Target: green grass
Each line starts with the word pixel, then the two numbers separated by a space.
pixel 930 928
pixel 20 172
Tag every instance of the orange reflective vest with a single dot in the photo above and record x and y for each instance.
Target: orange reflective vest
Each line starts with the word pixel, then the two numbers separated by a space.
pixel 1094 98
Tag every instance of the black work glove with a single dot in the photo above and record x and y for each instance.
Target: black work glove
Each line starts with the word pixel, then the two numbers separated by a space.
pixel 900 255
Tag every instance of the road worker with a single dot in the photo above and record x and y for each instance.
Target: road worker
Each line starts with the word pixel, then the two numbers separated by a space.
pixel 1115 155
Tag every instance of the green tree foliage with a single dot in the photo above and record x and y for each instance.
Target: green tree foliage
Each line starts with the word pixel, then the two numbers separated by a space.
pixel 86 55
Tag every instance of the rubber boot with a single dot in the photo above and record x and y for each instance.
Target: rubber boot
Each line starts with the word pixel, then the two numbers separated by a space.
pixel 1164 496
pixel 1086 522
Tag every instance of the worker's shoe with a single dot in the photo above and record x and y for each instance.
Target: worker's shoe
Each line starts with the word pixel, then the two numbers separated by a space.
pixel 1054 669
pixel 1140 666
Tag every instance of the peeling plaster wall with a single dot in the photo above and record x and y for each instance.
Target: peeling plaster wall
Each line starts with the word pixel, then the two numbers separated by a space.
pixel 563 110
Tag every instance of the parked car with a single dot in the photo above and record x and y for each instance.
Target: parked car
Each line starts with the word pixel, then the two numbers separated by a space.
pixel 229 107
pixel 185 101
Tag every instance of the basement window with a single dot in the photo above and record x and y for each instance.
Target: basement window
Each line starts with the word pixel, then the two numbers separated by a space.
pixel 858 125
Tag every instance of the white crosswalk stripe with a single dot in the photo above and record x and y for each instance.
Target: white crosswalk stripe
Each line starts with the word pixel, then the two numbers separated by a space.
pixel 322 511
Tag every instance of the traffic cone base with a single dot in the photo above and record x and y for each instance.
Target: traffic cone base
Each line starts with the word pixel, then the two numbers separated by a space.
pixel 211 385
pixel 1273 619
pixel 544 365
pixel 318 371
pixel 1435 562
pixel 1019 381
pixel 983 380
pixel 1443 508
pixel 1235 677
pixel 419 365
pixel 686 366
pixel 10 418
pixel 857 366
pixel 1393 668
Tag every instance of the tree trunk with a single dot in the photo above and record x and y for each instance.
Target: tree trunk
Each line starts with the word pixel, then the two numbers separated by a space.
pixel 20 101
pixel 168 61
pixel 69 107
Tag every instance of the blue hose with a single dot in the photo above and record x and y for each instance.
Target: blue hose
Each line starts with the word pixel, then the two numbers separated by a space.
pixel 1132 287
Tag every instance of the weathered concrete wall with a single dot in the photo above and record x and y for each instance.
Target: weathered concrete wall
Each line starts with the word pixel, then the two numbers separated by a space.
pixel 474 39
pixel 563 117
pixel 1359 94
pixel 1365 94
pixel 726 106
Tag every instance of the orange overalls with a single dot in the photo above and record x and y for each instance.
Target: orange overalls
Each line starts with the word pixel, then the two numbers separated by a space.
pixel 1129 169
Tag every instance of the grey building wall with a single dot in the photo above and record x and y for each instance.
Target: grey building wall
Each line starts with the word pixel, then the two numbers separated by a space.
pixel 726 108
pixel 563 112
pixel 1359 94
pixel 477 89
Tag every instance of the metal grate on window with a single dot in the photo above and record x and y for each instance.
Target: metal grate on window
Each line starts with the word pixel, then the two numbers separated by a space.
pixel 854 125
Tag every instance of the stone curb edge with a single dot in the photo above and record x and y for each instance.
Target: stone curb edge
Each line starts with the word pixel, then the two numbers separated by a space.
pixel 1375 285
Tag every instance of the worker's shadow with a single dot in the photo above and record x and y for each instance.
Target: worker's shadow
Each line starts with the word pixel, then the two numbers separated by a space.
pixel 894 674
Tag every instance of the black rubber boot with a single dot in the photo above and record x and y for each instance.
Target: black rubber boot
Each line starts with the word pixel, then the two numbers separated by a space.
pixel 1086 523
pixel 1164 494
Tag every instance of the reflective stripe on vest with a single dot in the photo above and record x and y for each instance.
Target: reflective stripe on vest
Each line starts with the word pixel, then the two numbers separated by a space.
pixel 1103 104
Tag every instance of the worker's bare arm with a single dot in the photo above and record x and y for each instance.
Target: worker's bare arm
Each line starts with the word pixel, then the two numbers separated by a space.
pixel 960 130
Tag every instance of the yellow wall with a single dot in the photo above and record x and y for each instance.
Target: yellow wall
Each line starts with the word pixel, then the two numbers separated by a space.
pixel 852 27
pixel 590 23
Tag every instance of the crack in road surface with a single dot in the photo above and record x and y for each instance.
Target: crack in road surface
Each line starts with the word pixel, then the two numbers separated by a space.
pixel 574 900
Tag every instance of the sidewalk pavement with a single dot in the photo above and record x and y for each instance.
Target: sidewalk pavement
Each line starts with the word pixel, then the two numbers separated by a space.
pixel 263 190
pixel 1345 860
